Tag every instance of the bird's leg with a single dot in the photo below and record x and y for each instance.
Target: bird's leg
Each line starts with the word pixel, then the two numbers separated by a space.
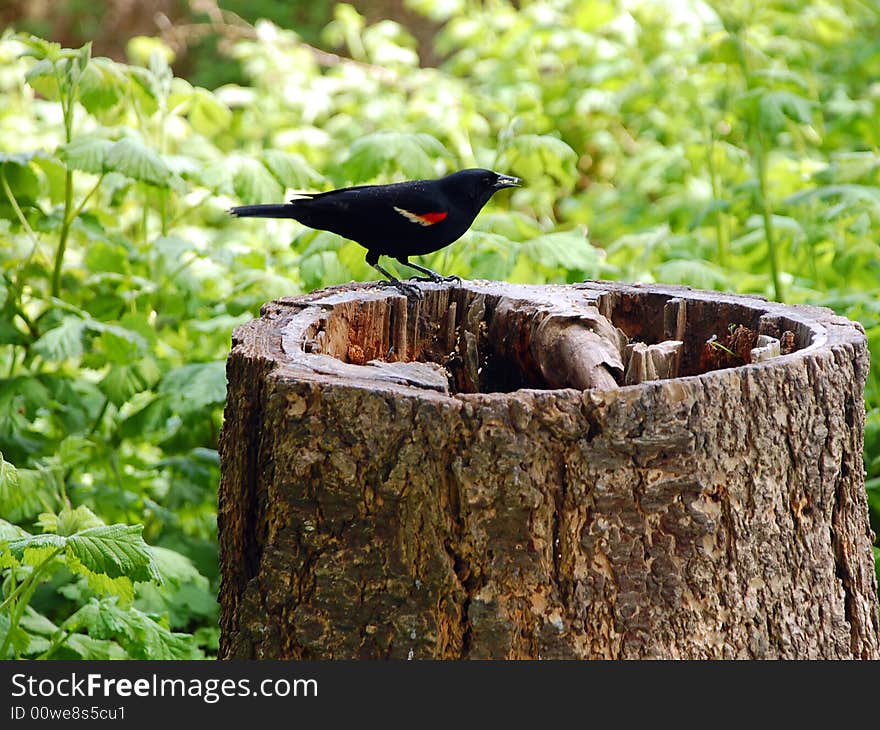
pixel 429 275
pixel 408 290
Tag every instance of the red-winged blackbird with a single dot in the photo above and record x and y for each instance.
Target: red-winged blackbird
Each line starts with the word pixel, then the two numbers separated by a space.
pixel 399 220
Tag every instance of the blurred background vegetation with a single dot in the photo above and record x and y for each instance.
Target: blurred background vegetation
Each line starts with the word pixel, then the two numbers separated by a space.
pixel 729 145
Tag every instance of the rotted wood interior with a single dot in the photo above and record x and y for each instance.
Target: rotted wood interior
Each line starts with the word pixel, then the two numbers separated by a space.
pixel 485 342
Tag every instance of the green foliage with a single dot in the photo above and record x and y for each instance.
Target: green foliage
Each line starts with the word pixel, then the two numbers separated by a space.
pixel 104 564
pixel 725 145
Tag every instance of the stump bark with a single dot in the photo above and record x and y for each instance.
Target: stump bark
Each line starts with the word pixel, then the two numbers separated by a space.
pixel 468 475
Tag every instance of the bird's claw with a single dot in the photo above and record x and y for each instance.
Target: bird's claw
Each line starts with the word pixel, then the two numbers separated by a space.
pixel 438 279
pixel 408 290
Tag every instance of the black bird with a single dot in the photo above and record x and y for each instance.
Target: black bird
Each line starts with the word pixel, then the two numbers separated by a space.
pixel 398 220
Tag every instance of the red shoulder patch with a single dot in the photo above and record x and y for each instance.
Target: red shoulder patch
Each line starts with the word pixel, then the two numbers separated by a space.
pixel 422 219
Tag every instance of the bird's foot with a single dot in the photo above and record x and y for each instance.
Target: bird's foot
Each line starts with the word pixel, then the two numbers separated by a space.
pixel 437 279
pixel 408 290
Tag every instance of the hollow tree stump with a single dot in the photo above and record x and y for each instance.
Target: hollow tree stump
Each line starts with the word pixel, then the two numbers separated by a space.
pixel 415 479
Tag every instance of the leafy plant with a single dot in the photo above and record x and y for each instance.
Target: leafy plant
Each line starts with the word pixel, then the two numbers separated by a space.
pixel 102 565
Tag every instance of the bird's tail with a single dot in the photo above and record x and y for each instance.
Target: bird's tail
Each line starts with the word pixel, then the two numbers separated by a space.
pixel 273 210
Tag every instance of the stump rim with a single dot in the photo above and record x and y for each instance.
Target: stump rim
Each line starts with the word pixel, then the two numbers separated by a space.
pixel 828 330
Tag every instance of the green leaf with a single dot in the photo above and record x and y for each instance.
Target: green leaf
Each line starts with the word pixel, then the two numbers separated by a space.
pixel 568 249
pixel 114 550
pixel 534 157
pixel 593 14
pixel 74 449
pixel 42 78
pixel 137 633
pixel 849 167
pixel 776 106
pixel 24 493
pixel 707 211
pixel 122 382
pixel 121 346
pixel 71 521
pixel 512 224
pixel 102 584
pixel 772 110
pixel 149 418
pixel 319 241
pixel 21 159
pixel 853 193
pixel 143 91
pixel 108 256
pixel 83 56
pixel 135 160
pixel 380 153
pixel 172 251
pixel 321 269
pixel 700 274
pixel 158 65
pixel 140 49
pixel 39 48
pixel 218 177
pixel 207 114
pixel 62 342
pixel 20 178
pixel 36 548
pixel 102 86
pixel 253 183
pixel 19 641
pixel 8 531
pixel 85 647
pixel 291 170
pixel 196 386
pixel 86 153
pixel 118 335
pixel 36 623
pixel 491 256
pixel 174 567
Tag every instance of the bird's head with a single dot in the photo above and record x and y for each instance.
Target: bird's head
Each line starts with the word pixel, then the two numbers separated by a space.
pixel 479 185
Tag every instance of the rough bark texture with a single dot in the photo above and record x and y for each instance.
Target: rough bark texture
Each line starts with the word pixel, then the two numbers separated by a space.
pixel 398 481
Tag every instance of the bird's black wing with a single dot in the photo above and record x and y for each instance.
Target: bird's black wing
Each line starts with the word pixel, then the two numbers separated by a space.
pixel 373 214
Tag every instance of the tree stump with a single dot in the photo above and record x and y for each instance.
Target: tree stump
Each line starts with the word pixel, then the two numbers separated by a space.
pixel 468 475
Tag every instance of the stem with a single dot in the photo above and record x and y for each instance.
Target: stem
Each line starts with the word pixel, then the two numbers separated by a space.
pixel 720 217
pixel 144 223
pixel 12 362
pixel 32 327
pixel 69 216
pixel 759 158
pixel 26 588
pixel 67 110
pixel 169 276
pixel 85 200
pixel 767 216
pixel 20 587
pixel 100 417
pixel 58 639
pixel 19 285
pixel 65 475
pixel 20 215
pixel 163 211
pixel 65 231
pixel 186 211
pixel 163 193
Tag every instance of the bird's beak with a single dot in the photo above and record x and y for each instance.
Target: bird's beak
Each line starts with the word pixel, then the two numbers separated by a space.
pixel 507 181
